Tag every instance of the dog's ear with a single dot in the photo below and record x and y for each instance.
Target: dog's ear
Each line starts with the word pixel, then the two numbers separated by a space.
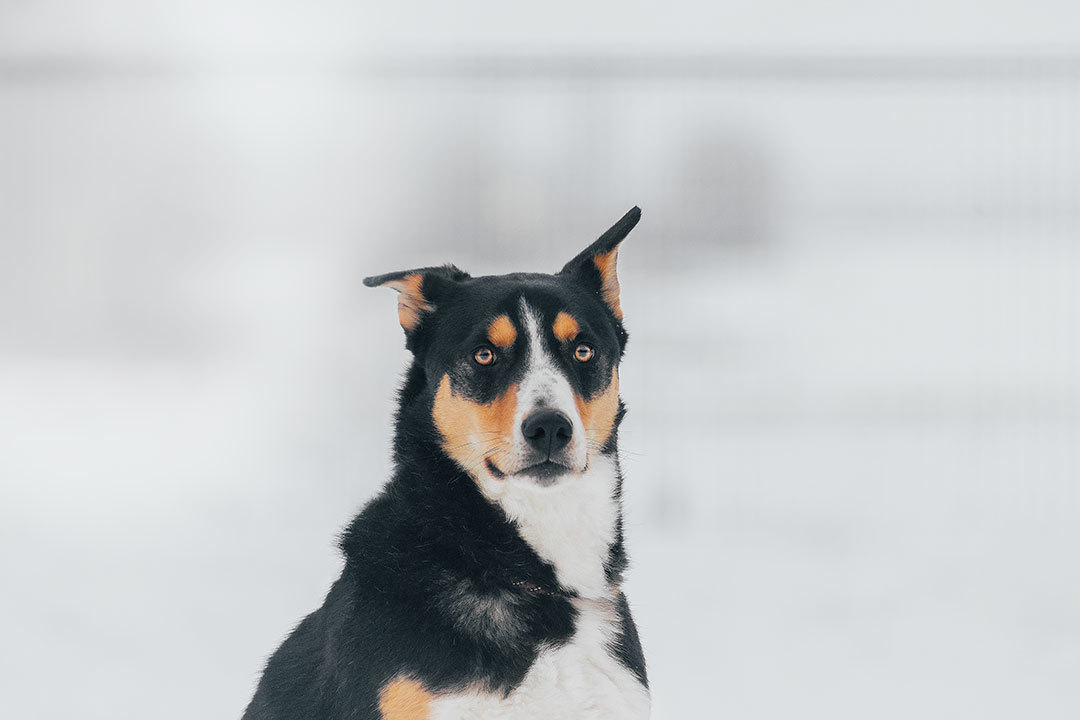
pixel 418 291
pixel 595 265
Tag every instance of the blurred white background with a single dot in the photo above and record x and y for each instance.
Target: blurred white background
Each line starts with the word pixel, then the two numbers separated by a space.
pixel 853 447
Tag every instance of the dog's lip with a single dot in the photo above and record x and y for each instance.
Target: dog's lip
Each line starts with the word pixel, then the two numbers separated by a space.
pixel 545 470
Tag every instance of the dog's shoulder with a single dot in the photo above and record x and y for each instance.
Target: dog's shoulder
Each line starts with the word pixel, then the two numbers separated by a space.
pixel 410 607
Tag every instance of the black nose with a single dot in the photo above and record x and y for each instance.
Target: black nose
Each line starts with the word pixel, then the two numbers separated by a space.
pixel 549 431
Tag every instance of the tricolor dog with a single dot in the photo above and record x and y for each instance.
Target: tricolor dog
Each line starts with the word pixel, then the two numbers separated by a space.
pixel 484 580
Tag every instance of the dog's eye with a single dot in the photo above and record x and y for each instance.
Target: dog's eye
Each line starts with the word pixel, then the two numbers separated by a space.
pixel 484 356
pixel 583 353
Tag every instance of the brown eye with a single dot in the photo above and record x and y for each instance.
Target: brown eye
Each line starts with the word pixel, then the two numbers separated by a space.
pixel 484 356
pixel 583 353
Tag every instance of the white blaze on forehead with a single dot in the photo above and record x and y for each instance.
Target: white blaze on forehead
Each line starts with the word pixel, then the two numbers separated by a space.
pixel 545 386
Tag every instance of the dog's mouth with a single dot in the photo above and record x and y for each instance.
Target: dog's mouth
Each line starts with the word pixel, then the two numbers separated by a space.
pixel 544 473
pixel 493 469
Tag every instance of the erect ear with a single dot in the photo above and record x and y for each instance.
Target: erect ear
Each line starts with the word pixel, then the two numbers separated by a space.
pixel 418 290
pixel 595 265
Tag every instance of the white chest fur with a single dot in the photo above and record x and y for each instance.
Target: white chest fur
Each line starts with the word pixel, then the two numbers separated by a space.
pixel 577 680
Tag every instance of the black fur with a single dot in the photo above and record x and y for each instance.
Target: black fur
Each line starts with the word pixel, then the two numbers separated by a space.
pixel 430 563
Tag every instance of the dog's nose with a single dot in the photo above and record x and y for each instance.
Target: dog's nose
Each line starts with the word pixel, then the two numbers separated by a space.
pixel 549 431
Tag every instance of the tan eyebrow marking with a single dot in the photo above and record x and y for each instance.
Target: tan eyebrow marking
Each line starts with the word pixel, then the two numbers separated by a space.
pixel 502 332
pixel 565 327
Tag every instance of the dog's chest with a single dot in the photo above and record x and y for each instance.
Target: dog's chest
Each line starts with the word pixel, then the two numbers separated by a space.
pixel 577 680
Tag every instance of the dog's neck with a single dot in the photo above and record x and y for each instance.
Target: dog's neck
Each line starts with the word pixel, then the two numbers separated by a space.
pixel 572 529
pixel 574 525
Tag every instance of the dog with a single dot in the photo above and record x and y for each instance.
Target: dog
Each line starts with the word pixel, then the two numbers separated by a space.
pixel 484 580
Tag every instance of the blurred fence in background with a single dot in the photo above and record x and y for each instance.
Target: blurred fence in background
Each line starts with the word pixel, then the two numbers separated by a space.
pixel 853 378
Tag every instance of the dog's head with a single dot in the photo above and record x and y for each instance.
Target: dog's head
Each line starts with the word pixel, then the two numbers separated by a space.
pixel 519 372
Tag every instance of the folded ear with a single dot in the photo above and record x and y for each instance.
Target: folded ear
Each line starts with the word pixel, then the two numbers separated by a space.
pixel 595 265
pixel 418 290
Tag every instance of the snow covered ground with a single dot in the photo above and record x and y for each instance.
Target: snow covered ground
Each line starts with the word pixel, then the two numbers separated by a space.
pixel 853 447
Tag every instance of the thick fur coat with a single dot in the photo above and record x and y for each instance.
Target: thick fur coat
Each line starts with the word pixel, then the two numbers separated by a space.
pixel 484 580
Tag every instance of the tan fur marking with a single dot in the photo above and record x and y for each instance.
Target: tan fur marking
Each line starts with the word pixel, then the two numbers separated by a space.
pixel 606 265
pixel 404 699
pixel 598 414
pixel 502 332
pixel 410 301
pixel 473 432
pixel 565 327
